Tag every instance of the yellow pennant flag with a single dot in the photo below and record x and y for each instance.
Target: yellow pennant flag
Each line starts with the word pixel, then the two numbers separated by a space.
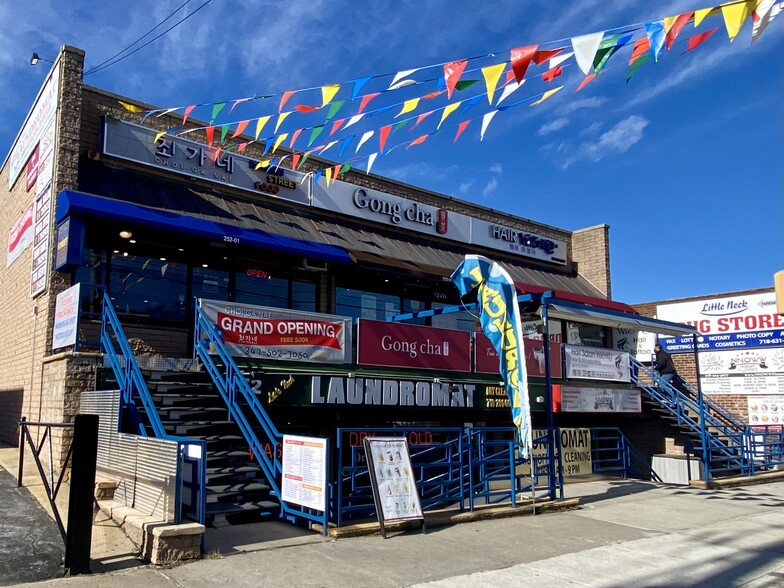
pixel 281 117
pixel 699 15
pixel 260 125
pixel 668 22
pixel 449 109
pixel 158 136
pixel 131 107
pixel 278 141
pixel 328 93
pixel 408 106
pixel 546 95
pixel 735 15
pixel 327 146
pixel 263 164
pixel 492 74
pixel 328 174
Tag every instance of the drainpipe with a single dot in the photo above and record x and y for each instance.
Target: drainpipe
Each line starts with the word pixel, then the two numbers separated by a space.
pixel 548 399
pixel 700 403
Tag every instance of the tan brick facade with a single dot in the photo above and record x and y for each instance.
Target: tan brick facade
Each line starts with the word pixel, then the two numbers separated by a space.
pixel 591 254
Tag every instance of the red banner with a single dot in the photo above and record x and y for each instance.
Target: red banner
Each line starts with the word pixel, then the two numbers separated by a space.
pixel 487 361
pixel 412 346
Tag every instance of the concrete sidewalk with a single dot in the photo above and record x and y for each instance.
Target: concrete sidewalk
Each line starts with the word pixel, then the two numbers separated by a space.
pixel 626 533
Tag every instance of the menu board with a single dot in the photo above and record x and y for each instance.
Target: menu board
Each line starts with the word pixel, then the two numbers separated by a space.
pixel 392 478
pixel 305 471
pixel 766 410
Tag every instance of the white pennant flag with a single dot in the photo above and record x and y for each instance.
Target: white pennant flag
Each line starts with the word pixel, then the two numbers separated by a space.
pixel 364 138
pixel 354 119
pixel 485 122
pixel 508 89
pixel 559 59
pixel 585 48
pixel 763 16
pixel 371 161
pixel 400 75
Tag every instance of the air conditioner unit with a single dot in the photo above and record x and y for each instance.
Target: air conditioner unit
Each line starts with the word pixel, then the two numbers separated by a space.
pixel 315 265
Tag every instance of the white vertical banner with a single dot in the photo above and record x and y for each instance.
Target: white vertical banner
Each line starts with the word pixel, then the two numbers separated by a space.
pixel 66 317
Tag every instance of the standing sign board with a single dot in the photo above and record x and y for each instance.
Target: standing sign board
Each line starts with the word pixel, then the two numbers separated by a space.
pixel 66 317
pixel 392 479
pixel 305 471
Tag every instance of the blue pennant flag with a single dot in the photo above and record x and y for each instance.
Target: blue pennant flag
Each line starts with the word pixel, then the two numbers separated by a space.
pixel 499 316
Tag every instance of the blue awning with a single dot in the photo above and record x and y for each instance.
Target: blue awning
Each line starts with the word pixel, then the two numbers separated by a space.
pixel 87 205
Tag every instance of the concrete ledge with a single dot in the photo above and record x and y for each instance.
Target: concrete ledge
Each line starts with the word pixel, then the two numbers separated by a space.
pixel 158 542
pixel 763 478
pixel 105 490
pixel 446 518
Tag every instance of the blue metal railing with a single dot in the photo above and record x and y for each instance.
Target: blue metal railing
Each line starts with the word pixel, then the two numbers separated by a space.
pixel 613 453
pixel 246 410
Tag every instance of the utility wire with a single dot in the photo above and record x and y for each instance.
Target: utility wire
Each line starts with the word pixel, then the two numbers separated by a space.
pixel 112 60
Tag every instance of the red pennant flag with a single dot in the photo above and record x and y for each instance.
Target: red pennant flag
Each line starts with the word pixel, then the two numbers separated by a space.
pixel 641 47
pixel 365 99
pixel 383 133
pixel 417 141
pixel 336 171
pixel 585 82
pixel 217 153
pixel 240 128
pixel 336 126
pixel 551 74
pixel 541 56
pixel 241 147
pixel 420 118
pixel 521 58
pixel 460 128
pixel 294 137
pixel 210 132
pixel 303 108
pixel 698 40
pixel 295 160
pixel 433 95
pixel 452 73
pixel 188 110
pixel 285 98
pixel 676 28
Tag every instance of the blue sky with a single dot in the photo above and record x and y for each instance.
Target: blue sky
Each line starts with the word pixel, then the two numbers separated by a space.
pixel 684 162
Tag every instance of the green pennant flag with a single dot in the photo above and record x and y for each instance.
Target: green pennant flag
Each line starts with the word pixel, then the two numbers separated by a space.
pixel 304 158
pixel 345 168
pixel 463 84
pixel 333 108
pixel 636 65
pixel 400 125
pixel 315 133
pixel 224 131
pixel 216 108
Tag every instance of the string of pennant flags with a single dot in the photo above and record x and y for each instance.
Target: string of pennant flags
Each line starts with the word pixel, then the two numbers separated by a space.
pixel 590 53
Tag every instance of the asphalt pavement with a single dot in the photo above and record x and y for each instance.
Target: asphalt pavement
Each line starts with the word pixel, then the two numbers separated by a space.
pixel 625 533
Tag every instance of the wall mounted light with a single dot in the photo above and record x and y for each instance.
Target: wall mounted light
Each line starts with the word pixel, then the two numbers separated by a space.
pixel 126 234
pixel 36 58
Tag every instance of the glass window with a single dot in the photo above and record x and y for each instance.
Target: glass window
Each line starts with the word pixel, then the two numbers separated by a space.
pixel 369 305
pixel 148 287
pixel 462 321
pixel 583 334
pixel 303 295
pixel 259 287
pixel 415 306
pixel 210 283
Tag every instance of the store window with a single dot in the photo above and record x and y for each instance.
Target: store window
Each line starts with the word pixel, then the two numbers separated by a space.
pixel 210 283
pixel 368 305
pixel 148 287
pixel 259 287
pixel 461 321
pixel 588 335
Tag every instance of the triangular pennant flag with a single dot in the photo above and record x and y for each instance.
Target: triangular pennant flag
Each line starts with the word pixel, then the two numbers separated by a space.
pixel 470 103
pixel 327 146
pixel 400 125
pixel 546 95
pixel 699 15
pixel 486 122
pixel 344 144
pixel 417 141
pixel 559 59
pixel 285 98
pixel 346 167
pixel 641 47
pixel 676 28
pixel 305 157
pixel 336 126
pixel 333 109
pixel 278 141
pixel 421 117
pixel 520 59
pixel 167 111
pixel 336 171
pixel 358 84
pixel 383 134
pixel 186 114
pixel 585 48
pixel 463 84
pixel 294 137
pixel 158 137
pixel 656 35
pixel 237 102
pixel 224 131
pixel 328 175
pixel 432 95
pixel 216 154
pixel 402 74
pixel 260 125
pixel 637 64
pixel 305 109
pixel 541 56
pixel 735 15
pixel 328 93
pixel 366 99
pixel 317 175
pixel 452 73
pixel 492 74
pixel 216 108
pixel 295 157
pixel 697 40
pixel 315 133
pixel 448 109
pixel 551 74
pixel 403 84
pixel 408 106
pixel 509 90
pixel 364 138
pixel 585 82
pixel 281 117
pixel 210 133
pixel 371 160
pixel 763 16
pixel 241 147
pixel 130 107
pixel 353 120
pixel 460 128
pixel 607 49
pixel 241 126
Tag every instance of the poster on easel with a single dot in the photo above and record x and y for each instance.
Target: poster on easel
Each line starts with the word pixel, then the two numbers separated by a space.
pixel 392 479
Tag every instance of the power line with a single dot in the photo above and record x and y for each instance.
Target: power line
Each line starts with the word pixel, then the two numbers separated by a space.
pixel 111 61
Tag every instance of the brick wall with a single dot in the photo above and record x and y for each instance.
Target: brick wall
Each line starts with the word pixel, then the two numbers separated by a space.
pixel 591 254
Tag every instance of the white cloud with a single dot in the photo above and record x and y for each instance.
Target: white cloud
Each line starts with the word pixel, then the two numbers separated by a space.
pixel 465 187
pixel 552 126
pixel 618 140
pixel 496 168
pixel 574 105
pixel 491 187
